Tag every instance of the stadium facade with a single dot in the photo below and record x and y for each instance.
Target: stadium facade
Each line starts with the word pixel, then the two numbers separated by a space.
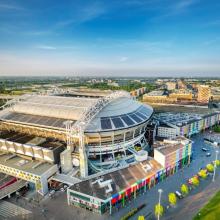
pixel 84 134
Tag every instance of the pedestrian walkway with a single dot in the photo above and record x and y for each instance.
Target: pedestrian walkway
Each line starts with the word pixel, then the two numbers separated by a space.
pixel 9 210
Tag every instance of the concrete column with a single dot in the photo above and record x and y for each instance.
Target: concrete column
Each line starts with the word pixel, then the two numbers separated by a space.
pixel 82 153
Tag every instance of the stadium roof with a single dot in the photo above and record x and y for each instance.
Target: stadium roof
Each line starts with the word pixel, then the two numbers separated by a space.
pixel 70 108
pixel 53 111
pixel 119 114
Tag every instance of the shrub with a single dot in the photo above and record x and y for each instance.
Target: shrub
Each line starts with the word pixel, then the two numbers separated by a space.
pixel 195 181
pixel 172 198
pixel 159 210
pixel 184 189
pixel 210 167
pixel 202 174
pixel 217 163
pixel 141 217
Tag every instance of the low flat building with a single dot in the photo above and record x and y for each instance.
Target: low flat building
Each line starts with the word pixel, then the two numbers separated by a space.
pixel 110 191
pixel 32 171
pixel 173 154
pixel 166 131
pixel 158 96
pixel 186 124
pixel 181 96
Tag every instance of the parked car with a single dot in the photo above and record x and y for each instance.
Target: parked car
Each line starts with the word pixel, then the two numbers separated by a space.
pixel 179 195
pixel 204 149
pixel 51 193
pixel 208 154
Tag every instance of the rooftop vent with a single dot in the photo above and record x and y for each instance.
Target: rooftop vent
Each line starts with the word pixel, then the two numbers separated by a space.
pixel 22 163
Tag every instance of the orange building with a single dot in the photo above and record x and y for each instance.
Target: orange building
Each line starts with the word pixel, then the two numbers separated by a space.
pixel 204 93
pixel 181 96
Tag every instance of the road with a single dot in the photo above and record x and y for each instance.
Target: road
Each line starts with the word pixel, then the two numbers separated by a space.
pixel 189 206
pixel 57 207
pixel 173 183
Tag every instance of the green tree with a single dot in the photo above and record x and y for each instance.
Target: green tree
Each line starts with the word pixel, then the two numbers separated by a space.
pixel 217 163
pixel 195 181
pixel 210 167
pixel 158 210
pixel 217 128
pixel 202 174
pixel 172 198
pixel 141 217
pixel 184 189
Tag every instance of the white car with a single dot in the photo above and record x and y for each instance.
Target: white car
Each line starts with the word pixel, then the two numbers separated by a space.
pixel 51 193
pixel 179 195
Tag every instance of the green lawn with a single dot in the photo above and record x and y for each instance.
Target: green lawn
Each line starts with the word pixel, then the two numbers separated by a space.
pixel 211 211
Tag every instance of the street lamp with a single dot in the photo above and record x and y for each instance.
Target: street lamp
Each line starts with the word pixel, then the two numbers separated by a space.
pixel 160 192
pixel 216 157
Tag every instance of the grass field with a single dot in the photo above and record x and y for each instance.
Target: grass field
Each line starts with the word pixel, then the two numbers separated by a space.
pixel 211 211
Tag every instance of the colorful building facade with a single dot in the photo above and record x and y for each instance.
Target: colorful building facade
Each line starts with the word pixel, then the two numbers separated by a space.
pixel 100 194
pixel 190 127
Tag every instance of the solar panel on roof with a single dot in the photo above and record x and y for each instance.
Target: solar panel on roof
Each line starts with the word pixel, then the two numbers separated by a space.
pixel 127 120
pixel 141 115
pixel 117 122
pixel 106 123
pixel 144 111
pixel 133 116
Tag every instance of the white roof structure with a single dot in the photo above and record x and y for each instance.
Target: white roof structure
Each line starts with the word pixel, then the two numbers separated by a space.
pixel 121 113
pixel 70 108
pixel 115 111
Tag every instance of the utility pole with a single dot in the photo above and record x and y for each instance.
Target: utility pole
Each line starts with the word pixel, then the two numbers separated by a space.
pixel 160 192
pixel 216 157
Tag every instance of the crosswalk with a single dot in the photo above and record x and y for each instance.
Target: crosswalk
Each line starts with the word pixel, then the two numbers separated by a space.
pixel 9 210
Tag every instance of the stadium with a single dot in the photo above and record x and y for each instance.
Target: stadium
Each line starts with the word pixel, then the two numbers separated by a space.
pixel 81 134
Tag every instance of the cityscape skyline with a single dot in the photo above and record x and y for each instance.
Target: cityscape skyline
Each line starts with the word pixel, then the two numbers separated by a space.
pixel 102 38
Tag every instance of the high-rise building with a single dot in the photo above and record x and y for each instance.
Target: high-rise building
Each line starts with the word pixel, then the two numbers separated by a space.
pixel 181 84
pixel 171 85
pixel 204 93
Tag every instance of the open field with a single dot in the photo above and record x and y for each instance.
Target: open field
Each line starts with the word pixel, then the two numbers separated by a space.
pixel 211 211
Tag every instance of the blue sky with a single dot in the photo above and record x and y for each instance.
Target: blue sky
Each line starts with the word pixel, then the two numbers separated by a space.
pixel 110 37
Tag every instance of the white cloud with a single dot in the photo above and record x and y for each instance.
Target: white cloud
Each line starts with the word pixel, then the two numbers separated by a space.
pixel 37 32
pixel 18 64
pixel 123 59
pixel 10 7
pixel 45 47
pixel 83 14
pixel 183 4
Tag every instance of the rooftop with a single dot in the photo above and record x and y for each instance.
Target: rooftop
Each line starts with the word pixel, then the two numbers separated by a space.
pixel 54 111
pixel 118 180
pixel 167 147
pixel 20 163
pixel 17 137
pixel 155 93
